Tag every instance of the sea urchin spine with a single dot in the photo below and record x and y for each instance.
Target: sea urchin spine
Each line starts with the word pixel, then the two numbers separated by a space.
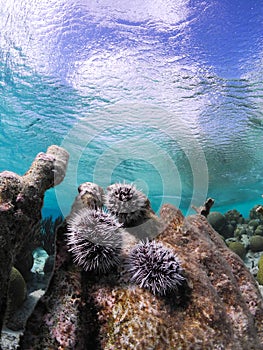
pixel 94 238
pixel 153 266
pixel 125 201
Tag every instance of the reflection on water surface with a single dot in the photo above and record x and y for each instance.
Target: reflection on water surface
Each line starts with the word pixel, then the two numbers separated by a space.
pixel 165 94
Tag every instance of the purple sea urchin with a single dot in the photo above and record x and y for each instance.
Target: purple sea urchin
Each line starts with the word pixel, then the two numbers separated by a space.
pixel 94 238
pixel 153 266
pixel 125 201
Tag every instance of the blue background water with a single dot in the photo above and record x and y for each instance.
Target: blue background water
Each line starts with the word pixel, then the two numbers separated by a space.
pixel 167 94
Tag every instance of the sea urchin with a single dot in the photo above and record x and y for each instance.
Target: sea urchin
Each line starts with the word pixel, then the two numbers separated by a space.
pixel 125 201
pixel 153 266
pixel 94 238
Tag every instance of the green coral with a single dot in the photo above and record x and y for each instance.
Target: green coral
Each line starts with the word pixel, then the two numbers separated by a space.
pixel 259 230
pixel 16 292
pixel 218 222
pixel 234 217
pixel 24 263
pixel 260 276
pixel 253 223
pixel 256 243
pixel 260 262
pixel 238 248
pixel 260 270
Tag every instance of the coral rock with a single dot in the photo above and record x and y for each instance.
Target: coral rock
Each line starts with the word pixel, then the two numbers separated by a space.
pixel 21 201
pixel 218 307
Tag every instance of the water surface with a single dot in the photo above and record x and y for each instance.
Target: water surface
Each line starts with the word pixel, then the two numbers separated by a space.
pixel 161 93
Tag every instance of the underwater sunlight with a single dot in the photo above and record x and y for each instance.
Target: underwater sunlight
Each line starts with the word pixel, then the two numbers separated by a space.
pixel 166 95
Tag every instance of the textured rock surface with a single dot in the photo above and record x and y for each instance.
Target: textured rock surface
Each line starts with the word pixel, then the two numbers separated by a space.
pixel 59 318
pixel 21 200
pixel 219 307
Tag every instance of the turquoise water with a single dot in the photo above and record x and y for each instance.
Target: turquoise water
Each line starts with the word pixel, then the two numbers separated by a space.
pixel 165 95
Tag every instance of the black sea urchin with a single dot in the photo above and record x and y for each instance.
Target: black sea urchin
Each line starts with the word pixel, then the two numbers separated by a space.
pixel 94 238
pixel 153 266
pixel 125 201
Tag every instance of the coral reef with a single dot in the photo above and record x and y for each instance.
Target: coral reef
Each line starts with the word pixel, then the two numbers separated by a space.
pixel 260 276
pixel 243 229
pixel 244 236
pixel 24 263
pixel 248 232
pixel 234 217
pixel 21 201
pixel 186 289
pixel 259 208
pixel 259 230
pixel 218 307
pixel 49 264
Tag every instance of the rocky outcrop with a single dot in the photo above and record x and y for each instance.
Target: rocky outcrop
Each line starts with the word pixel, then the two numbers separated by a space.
pixel 60 317
pixel 217 307
pixel 21 201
